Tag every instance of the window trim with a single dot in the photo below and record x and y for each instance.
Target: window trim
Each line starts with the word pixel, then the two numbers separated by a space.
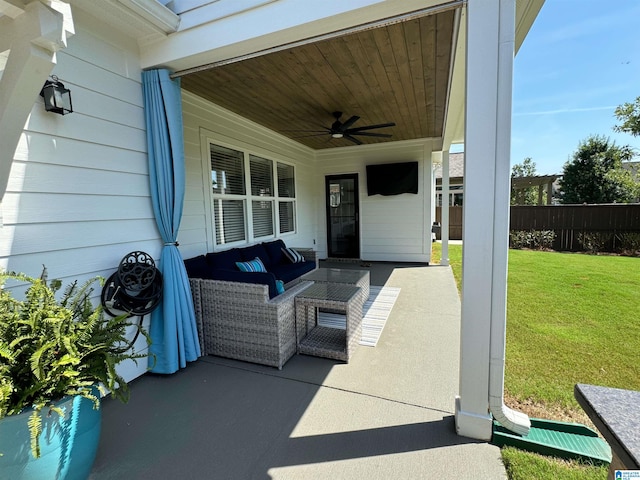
pixel 206 139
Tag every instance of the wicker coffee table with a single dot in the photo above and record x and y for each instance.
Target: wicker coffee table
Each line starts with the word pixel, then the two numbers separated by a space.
pixel 356 278
pixel 327 342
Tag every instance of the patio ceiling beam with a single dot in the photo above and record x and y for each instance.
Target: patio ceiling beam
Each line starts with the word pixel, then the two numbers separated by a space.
pixel 490 52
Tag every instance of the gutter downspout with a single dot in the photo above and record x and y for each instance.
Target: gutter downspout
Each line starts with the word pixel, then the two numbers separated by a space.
pixel 515 421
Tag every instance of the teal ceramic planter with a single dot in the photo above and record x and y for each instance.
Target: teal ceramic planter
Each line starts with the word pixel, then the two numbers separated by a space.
pixel 68 444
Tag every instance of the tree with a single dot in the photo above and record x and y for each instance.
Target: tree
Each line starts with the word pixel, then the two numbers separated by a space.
pixel 528 195
pixel 595 174
pixel 629 114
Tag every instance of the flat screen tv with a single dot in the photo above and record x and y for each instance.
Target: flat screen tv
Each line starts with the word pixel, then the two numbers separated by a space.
pixel 392 178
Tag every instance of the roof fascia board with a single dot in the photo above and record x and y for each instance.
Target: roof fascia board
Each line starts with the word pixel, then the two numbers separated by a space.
pixel 248 32
pixel 155 13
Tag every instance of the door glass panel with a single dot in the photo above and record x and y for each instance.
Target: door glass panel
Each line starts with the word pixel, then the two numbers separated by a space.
pixel 342 206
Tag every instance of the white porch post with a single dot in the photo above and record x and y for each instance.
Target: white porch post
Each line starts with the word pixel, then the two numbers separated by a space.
pixel 444 227
pixel 490 51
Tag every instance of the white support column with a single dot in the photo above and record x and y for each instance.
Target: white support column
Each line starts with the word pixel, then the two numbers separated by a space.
pixel 33 38
pixel 490 51
pixel 444 228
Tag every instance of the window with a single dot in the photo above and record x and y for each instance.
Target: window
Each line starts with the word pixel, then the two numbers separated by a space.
pixel 242 214
pixel 287 196
pixel 261 173
pixel 227 183
pixel 456 195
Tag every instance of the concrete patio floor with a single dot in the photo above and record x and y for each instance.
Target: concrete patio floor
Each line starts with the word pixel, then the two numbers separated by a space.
pixel 388 414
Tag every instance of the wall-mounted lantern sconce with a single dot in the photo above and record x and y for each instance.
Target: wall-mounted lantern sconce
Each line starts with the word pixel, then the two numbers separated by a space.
pixel 57 99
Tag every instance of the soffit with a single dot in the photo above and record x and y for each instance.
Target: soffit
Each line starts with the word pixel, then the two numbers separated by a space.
pixel 397 73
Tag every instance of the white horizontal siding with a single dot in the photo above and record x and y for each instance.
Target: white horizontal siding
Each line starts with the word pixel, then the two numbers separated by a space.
pixel 201 117
pixel 392 228
pixel 78 196
pixel 80 153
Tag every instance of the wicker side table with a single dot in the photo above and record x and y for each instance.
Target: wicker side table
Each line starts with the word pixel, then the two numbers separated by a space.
pixel 355 278
pixel 334 343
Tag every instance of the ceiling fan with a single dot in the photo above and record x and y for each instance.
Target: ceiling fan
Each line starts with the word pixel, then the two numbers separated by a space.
pixel 340 129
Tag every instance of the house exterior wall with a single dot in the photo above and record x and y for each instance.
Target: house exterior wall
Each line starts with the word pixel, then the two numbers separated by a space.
pixel 205 122
pixel 392 228
pixel 78 196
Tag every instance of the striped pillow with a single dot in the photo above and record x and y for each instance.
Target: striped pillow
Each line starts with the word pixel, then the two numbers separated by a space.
pixel 292 255
pixel 254 265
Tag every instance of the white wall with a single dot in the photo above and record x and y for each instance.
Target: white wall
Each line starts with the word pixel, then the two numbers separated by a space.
pixel 78 194
pixel 203 120
pixel 392 228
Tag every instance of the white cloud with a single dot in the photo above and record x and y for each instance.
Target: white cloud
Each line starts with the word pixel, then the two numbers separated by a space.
pixel 564 110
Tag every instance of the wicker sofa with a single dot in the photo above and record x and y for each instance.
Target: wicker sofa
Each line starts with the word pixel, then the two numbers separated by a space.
pixel 238 314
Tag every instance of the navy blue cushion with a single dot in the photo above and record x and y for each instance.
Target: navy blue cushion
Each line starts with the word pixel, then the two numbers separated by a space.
pixel 274 250
pixel 260 278
pixel 250 253
pixel 225 260
pixel 197 267
pixel 291 271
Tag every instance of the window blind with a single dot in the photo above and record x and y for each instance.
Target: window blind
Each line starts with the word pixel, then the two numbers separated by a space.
pixel 227 171
pixel 286 215
pixel 230 225
pixel 261 171
pixel 286 183
pixel 262 218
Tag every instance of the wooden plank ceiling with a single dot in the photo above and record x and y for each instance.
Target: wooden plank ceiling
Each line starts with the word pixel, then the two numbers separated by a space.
pixel 398 73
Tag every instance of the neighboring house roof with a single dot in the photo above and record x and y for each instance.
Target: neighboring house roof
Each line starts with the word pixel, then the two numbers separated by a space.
pixel 634 168
pixel 456 170
pixel 456 166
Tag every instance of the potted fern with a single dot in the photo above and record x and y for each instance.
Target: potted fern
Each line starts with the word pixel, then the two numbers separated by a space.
pixel 57 357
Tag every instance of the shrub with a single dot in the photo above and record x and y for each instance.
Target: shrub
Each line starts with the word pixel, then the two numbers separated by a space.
pixel 533 239
pixel 628 243
pixel 593 242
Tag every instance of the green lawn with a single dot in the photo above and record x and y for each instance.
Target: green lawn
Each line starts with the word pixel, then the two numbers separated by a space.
pixel 571 318
pixel 529 466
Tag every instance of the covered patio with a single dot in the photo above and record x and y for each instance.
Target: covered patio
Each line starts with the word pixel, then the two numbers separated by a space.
pixel 389 413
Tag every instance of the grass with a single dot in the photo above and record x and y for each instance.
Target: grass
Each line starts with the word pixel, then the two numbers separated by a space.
pixel 571 318
pixel 530 466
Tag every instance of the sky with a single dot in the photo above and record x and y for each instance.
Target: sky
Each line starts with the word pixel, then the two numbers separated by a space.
pixel 580 60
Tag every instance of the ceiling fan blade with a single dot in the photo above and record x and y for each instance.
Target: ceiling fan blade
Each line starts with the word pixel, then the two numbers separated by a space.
pixel 317 130
pixel 349 122
pixel 353 139
pixel 370 134
pixel 370 127
pixel 312 135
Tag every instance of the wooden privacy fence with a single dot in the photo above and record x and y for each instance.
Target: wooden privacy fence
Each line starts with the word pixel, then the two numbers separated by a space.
pixel 567 221
pixel 455 222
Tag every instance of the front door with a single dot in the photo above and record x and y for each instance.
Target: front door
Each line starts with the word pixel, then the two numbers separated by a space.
pixel 343 229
